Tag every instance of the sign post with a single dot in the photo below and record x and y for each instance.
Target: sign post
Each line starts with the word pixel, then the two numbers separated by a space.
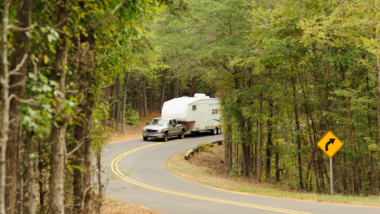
pixel 331 177
pixel 330 145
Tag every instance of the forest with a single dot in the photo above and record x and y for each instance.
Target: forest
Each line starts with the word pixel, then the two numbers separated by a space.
pixel 285 71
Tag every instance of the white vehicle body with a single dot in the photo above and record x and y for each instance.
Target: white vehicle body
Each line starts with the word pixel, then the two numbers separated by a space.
pixel 199 113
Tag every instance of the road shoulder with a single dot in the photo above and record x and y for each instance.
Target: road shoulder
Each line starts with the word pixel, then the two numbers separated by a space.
pixel 205 168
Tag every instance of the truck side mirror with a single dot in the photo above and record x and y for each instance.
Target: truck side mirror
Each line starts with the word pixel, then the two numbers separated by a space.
pixel 147 123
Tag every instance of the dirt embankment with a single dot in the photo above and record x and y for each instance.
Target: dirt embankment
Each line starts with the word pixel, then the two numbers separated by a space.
pixel 111 206
pixel 131 131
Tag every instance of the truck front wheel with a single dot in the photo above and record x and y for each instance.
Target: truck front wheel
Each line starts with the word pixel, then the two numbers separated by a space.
pixel 165 137
pixel 182 135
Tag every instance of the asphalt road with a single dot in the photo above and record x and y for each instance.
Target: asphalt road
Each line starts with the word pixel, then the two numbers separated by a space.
pixel 138 176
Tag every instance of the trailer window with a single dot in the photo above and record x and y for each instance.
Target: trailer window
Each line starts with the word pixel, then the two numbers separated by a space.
pixel 194 107
pixel 215 111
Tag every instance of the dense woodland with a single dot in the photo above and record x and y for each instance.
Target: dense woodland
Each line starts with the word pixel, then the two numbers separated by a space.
pixel 286 72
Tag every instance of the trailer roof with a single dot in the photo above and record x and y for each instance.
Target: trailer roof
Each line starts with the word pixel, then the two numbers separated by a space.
pixel 189 100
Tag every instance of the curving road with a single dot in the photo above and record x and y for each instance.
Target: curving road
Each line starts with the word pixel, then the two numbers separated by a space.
pixel 137 175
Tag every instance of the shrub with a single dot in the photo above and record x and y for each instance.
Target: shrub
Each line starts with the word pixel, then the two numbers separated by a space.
pixel 235 172
pixel 131 115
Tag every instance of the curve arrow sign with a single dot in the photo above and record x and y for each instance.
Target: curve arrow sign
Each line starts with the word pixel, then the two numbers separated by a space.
pixel 328 143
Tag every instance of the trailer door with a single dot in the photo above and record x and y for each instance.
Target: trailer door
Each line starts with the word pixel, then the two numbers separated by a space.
pixel 202 116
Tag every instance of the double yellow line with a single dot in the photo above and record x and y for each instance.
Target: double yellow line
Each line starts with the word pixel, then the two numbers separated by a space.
pixel 115 169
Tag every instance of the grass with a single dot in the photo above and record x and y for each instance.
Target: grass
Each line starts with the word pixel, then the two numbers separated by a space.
pixel 206 168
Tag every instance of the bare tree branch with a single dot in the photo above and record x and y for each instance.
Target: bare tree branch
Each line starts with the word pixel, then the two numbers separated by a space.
pixel 76 148
pixel 29 101
pixel 34 65
pixel 109 16
pixel 17 84
pixel 31 27
pixel 106 86
pixel 14 71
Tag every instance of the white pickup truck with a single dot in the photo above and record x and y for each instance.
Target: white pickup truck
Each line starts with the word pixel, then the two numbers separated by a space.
pixel 164 128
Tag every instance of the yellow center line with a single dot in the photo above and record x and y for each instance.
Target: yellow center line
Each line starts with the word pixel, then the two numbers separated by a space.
pixel 115 169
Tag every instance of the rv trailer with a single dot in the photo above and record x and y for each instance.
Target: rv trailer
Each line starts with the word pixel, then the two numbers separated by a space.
pixel 198 113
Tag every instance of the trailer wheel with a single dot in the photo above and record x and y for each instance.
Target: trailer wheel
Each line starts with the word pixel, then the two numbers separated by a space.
pixel 182 135
pixel 215 131
pixel 220 130
pixel 165 137
pixel 145 138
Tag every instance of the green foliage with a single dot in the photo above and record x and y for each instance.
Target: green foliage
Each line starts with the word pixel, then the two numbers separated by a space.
pixel 235 172
pixel 131 115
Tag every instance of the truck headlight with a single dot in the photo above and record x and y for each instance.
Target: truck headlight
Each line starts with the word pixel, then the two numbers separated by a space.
pixel 160 130
pixel 144 129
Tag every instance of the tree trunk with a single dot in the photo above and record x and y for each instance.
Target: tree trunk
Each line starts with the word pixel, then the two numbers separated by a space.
pixel 107 99
pixel 6 103
pixel 110 102
pixel 193 83
pixel 228 149
pixel 88 170
pixel 269 144
pixel 245 147
pixel 42 193
pixel 144 95
pixel 31 174
pixel 316 175
pixel 79 136
pixel 138 102
pixel 259 163
pixel 118 105
pixel 124 103
pixel 277 161
pixel 180 94
pixel 176 86
pixel 58 133
pixel 151 98
pixel 21 47
pixel 377 69
pixel 255 171
pixel 99 203
pixel 172 85
pixel 80 133
pixel 115 98
pixel 298 140
pixel 162 92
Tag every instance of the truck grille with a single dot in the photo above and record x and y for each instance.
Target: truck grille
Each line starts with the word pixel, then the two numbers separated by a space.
pixel 151 130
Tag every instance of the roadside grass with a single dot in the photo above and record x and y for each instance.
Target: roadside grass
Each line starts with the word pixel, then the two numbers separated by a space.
pixel 111 206
pixel 207 168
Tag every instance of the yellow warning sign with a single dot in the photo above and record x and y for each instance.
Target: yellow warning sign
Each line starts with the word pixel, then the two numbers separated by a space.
pixel 330 144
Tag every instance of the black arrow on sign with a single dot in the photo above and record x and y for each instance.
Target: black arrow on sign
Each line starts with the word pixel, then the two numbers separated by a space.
pixel 328 143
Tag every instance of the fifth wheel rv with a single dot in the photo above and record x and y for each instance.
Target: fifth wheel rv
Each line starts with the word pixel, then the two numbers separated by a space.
pixel 198 113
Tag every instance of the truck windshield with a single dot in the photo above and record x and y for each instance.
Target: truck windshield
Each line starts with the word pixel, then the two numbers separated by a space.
pixel 159 122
